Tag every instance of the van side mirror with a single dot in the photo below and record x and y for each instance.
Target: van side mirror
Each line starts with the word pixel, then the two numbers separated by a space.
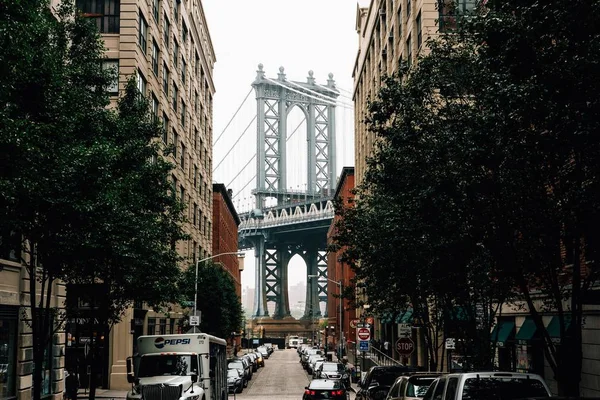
pixel 130 376
pixel 194 377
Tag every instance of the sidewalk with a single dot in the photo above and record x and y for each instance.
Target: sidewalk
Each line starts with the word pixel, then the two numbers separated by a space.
pixel 102 394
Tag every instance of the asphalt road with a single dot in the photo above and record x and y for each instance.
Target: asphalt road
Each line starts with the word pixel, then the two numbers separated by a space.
pixel 282 378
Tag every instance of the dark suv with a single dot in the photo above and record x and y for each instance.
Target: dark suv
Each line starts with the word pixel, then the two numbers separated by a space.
pixel 378 381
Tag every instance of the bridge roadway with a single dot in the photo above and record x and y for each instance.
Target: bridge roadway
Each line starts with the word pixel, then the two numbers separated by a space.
pixel 282 378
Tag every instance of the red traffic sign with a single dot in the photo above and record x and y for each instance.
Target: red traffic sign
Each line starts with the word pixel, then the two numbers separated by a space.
pixel 369 320
pixel 363 333
pixel 354 323
pixel 405 346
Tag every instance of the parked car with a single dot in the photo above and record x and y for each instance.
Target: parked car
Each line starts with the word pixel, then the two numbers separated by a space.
pixel 378 380
pixel 487 386
pixel 411 387
pixel 334 370
pixel 240 366
pixel 316 368
pixel 260 361
pixel 235 381
pixel 307 354
pixel 310 366
pixel 263 351
pixel 251 357
pixel 325 389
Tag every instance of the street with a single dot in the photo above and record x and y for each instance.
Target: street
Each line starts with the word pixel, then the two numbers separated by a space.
pixel 281 378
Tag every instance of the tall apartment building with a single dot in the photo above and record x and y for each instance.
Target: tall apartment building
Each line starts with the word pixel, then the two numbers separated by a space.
pixel 389 31
pixel 166 45
pixel 225 234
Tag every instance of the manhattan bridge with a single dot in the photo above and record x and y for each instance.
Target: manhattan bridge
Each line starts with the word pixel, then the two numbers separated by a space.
pixel 282 169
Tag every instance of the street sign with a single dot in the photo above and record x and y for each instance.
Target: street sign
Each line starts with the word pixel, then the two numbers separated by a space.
pixel 405 346
pixel 404 330
pixel 194 320
pixel 450 343
pixel 354 323
pixel 363 345
pixel 369 320
pixel 363 333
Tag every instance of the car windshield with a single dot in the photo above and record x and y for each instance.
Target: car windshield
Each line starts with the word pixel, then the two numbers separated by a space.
pixel 171 364
pixel 236 364
pixel 333 367
pixel 323 384
pixel 233 373
pixel 385 377
pixel 502 389
pixel 417 387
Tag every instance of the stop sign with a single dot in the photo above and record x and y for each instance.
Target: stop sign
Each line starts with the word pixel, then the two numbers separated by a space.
pixel 363 333
pixel 405 346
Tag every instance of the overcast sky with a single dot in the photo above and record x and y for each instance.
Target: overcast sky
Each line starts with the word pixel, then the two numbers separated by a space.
pixel 300 35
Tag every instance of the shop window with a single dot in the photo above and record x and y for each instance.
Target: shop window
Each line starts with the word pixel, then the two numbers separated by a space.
pixel 151 326
pixel 8 351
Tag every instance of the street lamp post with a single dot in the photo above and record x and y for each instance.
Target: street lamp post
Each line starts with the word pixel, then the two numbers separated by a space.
pixel 341 340
pixel 238 253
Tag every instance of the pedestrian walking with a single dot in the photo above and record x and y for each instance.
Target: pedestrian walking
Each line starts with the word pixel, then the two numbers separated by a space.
pixel 71 385
pixel 386 347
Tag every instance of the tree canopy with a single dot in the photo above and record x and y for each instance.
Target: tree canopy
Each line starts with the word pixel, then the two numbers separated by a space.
pixel 483 187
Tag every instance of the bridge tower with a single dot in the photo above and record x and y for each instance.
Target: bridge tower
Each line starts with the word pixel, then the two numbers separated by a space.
pixel 303 218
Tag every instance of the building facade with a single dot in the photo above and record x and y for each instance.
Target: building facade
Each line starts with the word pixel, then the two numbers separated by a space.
pixel 166 45
pixel 339 271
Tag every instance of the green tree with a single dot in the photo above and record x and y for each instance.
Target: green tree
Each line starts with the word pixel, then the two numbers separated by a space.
pixel 83 185
pixel 485 176
pixel 218 301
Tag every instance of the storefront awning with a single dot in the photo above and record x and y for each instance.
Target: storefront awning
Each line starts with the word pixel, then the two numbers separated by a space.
pixel 527 330
pixel 404 317
pixel 502 332
pixel 554 326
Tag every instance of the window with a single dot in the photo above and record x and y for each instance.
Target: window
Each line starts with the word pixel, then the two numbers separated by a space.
pixel 9 318
pixel 166 31
pixel 176 9
pixel 105 13
pixel 181 193
pixel 195 176
pixel 195 102
pixel 419 31
pixel 184 35
pixel 197 65
pixel 450 12
pixel 451 389
pixel 175 95
pixel 165 78
pixel 162 327
pixel 408 8
pixel 182 156
pixel 154 108
pixel 155 9
pixel 151 326
pixel 174 187
pixel 195 139
pixel 141 83
pixel 165 128
pixel 209 230
pixel 194 219
pixel 183 114
pixel 183 70
pixel 155 53
pixel 204 225
pixel 175 143
pixel 172 325
pixel 409 51
pixel 112 65
pixel 194 247
pixel 175 52
pixel 143 33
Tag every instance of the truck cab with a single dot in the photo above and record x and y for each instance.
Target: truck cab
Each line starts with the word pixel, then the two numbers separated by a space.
pixel 178 367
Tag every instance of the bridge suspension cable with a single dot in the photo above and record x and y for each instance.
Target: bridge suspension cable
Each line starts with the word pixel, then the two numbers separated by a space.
pixel 234 114
pixel 308 95
pixel 236 142
pixel 331 98
pixel 337 92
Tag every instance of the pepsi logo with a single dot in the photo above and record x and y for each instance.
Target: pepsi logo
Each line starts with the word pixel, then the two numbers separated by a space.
pixel 159 343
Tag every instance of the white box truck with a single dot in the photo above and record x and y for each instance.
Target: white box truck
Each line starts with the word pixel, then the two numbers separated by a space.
pixel 178 367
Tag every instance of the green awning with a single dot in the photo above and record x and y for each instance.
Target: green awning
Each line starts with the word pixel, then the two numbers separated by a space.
pixel 527 330
pixel 502 332
pixel 404 317
pixel 554 326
